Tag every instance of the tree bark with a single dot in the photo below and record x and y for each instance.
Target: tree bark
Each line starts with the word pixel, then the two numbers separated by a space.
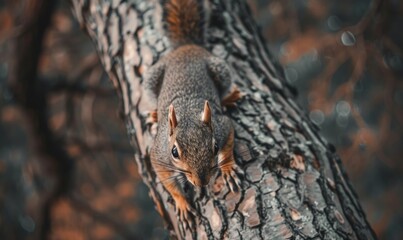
pixel 294 185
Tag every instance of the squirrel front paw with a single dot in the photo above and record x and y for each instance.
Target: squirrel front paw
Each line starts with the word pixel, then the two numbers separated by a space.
pixel 185 213
pixel 152 117
pixel 231 178
pixel 230 99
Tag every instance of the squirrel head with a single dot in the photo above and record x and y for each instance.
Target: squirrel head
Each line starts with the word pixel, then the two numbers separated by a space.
pixel 192 145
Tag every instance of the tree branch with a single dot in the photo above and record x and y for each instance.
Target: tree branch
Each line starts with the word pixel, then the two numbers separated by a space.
pixel 295 185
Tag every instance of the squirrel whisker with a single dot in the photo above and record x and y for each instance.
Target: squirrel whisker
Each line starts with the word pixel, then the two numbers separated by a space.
pixel 182 180
pixel 172 178
pixel 215 167
pixel 225 162
pixel 171 167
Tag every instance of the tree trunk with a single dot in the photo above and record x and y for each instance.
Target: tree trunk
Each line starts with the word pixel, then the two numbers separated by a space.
pixel 294 185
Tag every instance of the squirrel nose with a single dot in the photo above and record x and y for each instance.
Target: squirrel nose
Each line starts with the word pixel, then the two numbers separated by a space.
pixel 203 179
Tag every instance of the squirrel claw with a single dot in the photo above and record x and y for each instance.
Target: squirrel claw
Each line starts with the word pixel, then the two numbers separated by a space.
pixel 186 215
pixel 232 180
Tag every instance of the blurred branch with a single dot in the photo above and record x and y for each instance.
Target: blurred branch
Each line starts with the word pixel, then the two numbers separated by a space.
pixel 63 86
pixel 364 23
pixel 98 146
pixel 366 52
pixel 30 95
pixel 86 65
pixel 116 224
pixel 357 54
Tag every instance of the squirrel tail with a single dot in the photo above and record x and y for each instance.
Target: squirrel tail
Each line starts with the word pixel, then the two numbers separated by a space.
pixel 184 22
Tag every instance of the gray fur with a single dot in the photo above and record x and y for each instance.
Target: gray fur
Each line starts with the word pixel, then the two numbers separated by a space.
pixel 185 78
pixel 220 74
pixel 153 79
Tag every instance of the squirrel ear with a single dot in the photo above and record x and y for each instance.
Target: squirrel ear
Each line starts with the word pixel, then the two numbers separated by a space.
pixel 206 115
pixel 172 119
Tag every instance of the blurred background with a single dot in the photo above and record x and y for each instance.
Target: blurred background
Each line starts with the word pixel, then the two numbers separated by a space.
pixel 347 68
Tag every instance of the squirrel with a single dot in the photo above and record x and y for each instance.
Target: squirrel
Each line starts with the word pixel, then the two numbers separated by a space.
pixel 194 137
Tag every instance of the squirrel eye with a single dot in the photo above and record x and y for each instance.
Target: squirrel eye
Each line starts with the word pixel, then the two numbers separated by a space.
pixel 175 153
pixel 215 148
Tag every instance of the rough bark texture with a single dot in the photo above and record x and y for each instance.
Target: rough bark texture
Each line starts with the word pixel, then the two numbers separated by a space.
pixel 294 186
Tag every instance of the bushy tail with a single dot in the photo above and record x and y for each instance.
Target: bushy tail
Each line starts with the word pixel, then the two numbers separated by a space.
pixel 184 22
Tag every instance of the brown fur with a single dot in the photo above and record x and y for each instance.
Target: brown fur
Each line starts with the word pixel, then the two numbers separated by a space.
pixel 184 19
pixel 152 117
pixel 230 99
